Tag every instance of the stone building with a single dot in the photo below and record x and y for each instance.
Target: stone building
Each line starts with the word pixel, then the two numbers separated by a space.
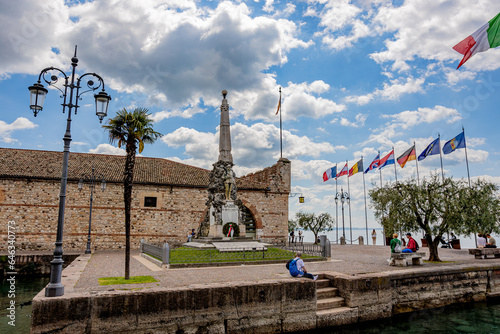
pixel 169 199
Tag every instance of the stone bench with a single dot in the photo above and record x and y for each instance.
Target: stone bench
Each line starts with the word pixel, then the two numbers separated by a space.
pixel 401 259
pixel 480 252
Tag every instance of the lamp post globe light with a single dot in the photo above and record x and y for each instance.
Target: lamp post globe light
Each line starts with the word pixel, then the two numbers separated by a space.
pixel 344 196
pixel 37 97
pixel 91 180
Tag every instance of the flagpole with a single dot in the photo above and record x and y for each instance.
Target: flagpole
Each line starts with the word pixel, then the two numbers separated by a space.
pixel 468 175
pixel 366 212
pixel 416 162
pixel 336 209
pixel 349 192
pixel 395 172
pixel 466 159
pixel 380 171
pixel 441 157
pixel 281 130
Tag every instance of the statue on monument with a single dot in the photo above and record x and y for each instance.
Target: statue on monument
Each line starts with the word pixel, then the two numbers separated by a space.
pixel 228 182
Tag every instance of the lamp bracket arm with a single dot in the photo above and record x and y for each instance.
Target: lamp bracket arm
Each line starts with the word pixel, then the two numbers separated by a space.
pixel 53 78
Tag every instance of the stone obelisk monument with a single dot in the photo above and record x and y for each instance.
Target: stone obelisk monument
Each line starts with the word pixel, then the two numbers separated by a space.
pixel 222 201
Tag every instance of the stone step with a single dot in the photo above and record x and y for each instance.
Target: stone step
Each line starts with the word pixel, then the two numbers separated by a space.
pixel 338 316
pixel 329 292
pixel 322 283
pixel 334 311
pixel 330 303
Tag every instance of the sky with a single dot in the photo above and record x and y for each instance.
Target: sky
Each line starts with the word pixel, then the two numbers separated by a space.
pixel 357 77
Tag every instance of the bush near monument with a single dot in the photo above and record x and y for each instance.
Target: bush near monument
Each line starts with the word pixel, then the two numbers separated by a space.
pixel 225 229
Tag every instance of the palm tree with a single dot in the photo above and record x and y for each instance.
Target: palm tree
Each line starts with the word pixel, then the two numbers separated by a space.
pixel 130 128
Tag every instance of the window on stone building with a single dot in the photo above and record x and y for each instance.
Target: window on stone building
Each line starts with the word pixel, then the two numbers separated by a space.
pixel 150 202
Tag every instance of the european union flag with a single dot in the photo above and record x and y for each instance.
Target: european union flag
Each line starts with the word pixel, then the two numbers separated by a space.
pixel 453 144
pixel 433 148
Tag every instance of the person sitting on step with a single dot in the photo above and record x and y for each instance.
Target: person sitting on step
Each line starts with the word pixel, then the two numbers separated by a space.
pixel 298 269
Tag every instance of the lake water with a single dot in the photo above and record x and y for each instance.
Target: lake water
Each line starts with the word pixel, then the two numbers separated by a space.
pixel 465 241
pixel 477 318
pixel 25 289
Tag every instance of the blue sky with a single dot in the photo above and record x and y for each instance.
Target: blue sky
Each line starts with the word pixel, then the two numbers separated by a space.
pixel 357 77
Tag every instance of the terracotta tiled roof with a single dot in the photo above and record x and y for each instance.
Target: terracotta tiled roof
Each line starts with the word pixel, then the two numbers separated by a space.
pixel 48 165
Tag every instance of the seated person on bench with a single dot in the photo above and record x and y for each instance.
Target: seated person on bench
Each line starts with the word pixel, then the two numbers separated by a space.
pixel 412 245
pixel 491 243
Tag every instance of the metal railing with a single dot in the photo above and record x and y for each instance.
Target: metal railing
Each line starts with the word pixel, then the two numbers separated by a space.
pixel 322 249
pixel 160 252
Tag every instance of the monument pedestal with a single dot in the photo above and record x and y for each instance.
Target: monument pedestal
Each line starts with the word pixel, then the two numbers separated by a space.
pixel 215 231
pixel 230 213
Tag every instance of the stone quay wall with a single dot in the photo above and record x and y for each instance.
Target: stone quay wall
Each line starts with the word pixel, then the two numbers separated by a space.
pixel 266 307
pixel 33 205
pixel 277 306
pixel 382 295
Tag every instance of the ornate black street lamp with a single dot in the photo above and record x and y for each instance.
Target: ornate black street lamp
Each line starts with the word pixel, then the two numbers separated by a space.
pixel 344 196
pixel 90 179
pixel 37 97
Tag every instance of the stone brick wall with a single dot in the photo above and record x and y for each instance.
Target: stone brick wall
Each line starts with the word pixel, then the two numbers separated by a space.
pixel 33 205
pixel 382 295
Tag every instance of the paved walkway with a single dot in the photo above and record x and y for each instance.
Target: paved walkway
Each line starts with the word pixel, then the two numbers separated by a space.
pixel 347 259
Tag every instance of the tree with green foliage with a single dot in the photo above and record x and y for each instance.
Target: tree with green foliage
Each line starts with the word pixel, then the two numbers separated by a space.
pixel 292 225
pixel 314 223
pixel 130 129
pixel 437 207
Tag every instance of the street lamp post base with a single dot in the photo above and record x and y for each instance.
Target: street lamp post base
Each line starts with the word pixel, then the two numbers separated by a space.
pixel 54 290
pixel 88 251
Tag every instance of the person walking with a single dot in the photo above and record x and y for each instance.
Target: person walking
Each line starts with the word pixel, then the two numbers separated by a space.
pixel 374 237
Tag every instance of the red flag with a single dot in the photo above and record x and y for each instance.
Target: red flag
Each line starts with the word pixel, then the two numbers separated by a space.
pixel 344 171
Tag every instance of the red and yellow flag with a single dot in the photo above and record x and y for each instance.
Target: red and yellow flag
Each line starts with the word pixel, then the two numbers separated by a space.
pixel 409 155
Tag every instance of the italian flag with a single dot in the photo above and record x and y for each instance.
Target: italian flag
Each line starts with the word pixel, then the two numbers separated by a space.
pixel 486 37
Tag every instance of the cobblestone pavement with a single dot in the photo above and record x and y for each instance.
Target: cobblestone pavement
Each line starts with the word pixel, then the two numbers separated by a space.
pixel 346 259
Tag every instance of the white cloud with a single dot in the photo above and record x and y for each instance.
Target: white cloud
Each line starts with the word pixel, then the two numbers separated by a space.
pixel 409 119
pixel 108 149
pixel 454 77
pixel 21 123
pixel 184 113
pixel 298 100
pixel 268 6
pixel 254 146
pixel 360 121
pixel 429 29
pixel 177 52
pixel 391 91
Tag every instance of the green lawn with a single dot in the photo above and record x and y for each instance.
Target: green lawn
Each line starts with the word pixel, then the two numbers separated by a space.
pixel 191 255
pixel 122 280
